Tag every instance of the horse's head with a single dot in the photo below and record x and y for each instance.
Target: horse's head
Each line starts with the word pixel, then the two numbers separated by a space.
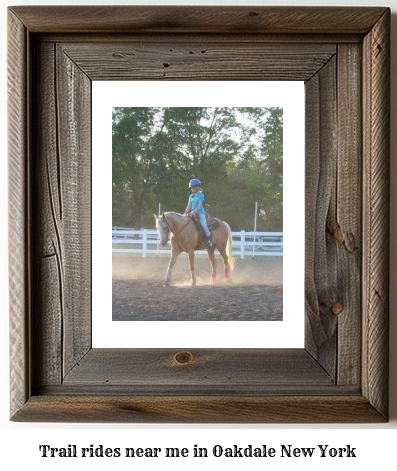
pixel 163 229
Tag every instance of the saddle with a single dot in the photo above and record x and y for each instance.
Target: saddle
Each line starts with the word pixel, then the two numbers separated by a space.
pixel 212 224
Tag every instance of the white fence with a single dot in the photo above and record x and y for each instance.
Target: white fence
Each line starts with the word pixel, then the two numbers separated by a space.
pixel 245 244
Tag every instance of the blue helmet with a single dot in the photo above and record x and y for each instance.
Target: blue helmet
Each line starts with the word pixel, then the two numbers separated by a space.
pixel 194 182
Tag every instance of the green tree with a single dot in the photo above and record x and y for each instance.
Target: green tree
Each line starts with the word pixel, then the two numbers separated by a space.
pixel 258 175
pixel 132 160
pixel 272 150
pixel 232 150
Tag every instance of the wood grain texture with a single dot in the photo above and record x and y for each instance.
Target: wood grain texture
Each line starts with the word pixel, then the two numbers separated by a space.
pixel 74 142
pixel 156 39
pixel 19 239
pixel 321 277
pixel 341 376
pixel 199 409
pixel 333 215
pixel 346 228
pixel 154 370
pixel 376 90
pixel 198 19
pixel 62 204
pixel 204 60
pixel 46 205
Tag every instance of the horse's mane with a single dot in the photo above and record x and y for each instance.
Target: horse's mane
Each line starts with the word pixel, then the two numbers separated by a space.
pixel 173 213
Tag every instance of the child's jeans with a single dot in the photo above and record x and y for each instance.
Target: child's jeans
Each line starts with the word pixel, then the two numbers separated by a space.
pixel 203 222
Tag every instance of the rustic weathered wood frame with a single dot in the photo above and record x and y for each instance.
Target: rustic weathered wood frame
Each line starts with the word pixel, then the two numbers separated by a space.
pixel 343 56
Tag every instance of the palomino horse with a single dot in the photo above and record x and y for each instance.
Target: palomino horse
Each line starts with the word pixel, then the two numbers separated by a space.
pixel 185 237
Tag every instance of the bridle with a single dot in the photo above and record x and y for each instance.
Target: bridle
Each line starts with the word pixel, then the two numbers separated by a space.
pixel 170 228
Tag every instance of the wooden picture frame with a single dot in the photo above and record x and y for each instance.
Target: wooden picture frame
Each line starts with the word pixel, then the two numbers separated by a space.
pixel 342 54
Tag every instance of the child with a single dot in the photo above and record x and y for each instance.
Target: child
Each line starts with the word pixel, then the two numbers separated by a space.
pixel 196 206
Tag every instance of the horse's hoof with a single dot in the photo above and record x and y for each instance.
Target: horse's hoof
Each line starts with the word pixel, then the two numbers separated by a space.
pixel 167 284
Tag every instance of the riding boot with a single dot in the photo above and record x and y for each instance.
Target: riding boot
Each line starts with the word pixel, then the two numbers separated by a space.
pixel 209 242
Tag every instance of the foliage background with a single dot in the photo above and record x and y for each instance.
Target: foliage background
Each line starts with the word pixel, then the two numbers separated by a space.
pixel 237 153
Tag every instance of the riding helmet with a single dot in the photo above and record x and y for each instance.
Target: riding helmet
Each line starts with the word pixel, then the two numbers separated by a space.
pixel 194 182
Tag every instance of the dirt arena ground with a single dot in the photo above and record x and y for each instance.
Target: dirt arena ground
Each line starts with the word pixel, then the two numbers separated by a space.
pixel 255 294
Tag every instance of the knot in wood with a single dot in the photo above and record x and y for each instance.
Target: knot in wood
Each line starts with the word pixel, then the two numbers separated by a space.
pixel 183 358
pixel 337 308
pixel 338 235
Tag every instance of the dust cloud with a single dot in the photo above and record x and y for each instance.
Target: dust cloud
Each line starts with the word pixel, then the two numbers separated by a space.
pixel 254 294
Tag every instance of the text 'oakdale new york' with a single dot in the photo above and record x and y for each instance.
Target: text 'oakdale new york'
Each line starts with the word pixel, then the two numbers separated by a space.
pixel 286 451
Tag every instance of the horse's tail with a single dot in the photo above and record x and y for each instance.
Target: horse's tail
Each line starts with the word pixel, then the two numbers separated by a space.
pixel 229 253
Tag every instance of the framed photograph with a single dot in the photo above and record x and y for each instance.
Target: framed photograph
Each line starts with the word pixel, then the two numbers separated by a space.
pixel 252 177
pixel 57 55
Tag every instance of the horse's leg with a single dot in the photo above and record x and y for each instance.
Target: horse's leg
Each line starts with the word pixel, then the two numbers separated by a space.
pixel 191 264
pixel 227 267
pixel 211 256
pixel 174 256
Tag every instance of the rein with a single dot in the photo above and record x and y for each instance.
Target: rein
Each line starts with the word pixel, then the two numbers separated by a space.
pixel 180 230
